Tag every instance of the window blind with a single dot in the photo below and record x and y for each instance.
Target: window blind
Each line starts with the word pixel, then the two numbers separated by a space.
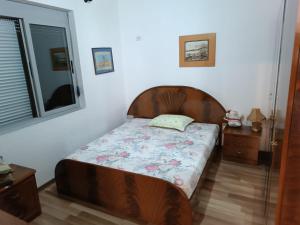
pixel 15 102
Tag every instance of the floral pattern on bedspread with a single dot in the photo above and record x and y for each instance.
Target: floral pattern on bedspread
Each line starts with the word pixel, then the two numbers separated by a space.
pixel 177 157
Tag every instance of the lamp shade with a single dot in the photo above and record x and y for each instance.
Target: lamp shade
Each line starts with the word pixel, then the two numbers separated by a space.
pixel 256 115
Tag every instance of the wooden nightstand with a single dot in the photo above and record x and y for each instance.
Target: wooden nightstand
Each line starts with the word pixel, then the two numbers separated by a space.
pixel 7 219
pixel 241 145
pixel 21 198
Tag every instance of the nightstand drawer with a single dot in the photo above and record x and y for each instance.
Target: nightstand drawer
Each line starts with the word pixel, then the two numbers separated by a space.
pixel 21 200
pixel 241 142
pixel 241 145
pixel 247 155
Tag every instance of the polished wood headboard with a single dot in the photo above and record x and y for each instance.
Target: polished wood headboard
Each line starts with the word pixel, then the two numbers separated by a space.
pixel 181 100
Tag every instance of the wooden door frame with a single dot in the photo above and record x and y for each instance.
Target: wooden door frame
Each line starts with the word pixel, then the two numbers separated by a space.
pixel 285 147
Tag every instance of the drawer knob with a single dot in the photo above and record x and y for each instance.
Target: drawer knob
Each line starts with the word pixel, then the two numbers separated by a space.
pixel 239 152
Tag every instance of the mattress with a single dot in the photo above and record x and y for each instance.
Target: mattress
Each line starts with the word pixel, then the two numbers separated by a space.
pixel 174 156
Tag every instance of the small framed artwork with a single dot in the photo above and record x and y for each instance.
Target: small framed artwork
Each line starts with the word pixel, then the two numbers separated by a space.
pixel 103 60
pixel 197 50
pixel 59 57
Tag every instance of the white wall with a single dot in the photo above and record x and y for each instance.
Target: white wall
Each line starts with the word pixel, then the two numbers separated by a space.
pixel 247 36
pixel 41 146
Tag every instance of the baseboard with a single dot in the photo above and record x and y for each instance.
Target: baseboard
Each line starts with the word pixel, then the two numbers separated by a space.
pixel 44 186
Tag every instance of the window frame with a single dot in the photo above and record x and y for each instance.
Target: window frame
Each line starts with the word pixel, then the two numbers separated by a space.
pixel 73 52
pixel 35 73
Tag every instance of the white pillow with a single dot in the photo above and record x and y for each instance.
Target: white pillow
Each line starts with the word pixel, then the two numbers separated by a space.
pixel 178 122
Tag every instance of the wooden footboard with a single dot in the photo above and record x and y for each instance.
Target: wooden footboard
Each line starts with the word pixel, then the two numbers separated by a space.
pixel 133 196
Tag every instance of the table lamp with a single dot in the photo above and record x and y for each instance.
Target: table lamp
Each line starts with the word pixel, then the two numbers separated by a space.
pixel 256 117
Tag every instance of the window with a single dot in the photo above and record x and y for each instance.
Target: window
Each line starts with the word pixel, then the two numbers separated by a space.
pixel 38 79
pixel 54 66
pixel 16 98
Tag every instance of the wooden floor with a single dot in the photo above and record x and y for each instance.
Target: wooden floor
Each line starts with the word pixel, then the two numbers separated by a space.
pixel 233 194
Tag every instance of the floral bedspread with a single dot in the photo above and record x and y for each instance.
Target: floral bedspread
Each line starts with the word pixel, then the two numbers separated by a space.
pixel 177 157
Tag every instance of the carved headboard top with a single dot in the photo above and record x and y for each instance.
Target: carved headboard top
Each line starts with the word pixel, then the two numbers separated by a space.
pixel 177 100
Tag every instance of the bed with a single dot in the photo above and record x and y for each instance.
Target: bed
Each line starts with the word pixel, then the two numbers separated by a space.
pixel 143 173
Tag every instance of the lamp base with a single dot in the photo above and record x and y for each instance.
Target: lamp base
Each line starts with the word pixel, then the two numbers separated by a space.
pixel 256 127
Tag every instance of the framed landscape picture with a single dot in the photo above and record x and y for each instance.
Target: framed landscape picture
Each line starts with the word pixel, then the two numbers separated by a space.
pixel 59 57
pixel 197 50
pixel 103 60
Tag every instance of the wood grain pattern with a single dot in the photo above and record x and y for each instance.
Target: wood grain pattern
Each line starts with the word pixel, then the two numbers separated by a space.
pixel 20 174
pixel 288 210
pixel 241 145
pixel 134 196
pixel 172 101
pixel 21 198
pixel 128 195
pixel 7 219
pixel 178 100
pixel 232 194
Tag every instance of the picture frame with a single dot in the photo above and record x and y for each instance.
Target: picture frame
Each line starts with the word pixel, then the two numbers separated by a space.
pixel 60 59
pixel 197 50
pixel 103 60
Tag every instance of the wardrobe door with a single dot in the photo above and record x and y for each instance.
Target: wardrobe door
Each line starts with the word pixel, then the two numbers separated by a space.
pixel 288 211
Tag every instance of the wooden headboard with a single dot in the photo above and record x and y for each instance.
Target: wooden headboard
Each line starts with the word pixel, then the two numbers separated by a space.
pixel 177 100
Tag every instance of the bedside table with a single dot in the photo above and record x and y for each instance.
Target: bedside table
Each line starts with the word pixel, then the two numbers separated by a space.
pixel 241 145
pixel 21 198
pixel 9 219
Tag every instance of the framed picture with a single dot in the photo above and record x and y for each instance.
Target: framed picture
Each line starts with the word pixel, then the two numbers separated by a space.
pixel 59 57
pixel 197 50
pixel 103 60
